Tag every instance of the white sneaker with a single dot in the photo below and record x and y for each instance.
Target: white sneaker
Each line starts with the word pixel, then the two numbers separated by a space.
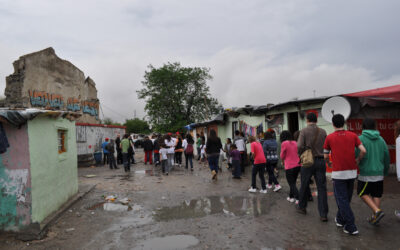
pixel 269 186
pixel 290 199
pixel 263 191
pixel 252 190
pixel 277 188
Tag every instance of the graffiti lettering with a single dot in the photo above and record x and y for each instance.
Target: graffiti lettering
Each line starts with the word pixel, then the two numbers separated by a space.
pixel 56 101
pixel 73 104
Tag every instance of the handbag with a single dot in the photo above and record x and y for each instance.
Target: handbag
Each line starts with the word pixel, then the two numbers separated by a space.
pixel 307 157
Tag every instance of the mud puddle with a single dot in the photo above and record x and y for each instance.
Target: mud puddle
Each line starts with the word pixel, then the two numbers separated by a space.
pixel 169 242
pixel 232 206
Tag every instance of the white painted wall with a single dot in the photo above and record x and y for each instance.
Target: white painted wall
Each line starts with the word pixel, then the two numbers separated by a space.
pixel 90 138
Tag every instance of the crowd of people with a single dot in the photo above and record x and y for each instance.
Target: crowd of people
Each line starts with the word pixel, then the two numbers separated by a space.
pixel 306 153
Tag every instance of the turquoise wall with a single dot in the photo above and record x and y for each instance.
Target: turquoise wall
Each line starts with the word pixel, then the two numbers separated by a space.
pixel 15 181
pixel 54 175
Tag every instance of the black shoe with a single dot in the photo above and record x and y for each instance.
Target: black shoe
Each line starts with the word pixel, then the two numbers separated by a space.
pixel 323 219
pixel 301 210
pixel 237 177
pixel 310 198
pixel 116 167
pixel 191 169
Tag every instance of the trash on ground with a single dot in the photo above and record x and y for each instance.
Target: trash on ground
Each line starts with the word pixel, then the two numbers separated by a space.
pixel 110 198
pixel 124 201
pixel 90 175
pixel 116 207
pixel 70 229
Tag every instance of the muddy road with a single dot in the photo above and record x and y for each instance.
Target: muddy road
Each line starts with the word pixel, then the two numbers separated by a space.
pixel 187 210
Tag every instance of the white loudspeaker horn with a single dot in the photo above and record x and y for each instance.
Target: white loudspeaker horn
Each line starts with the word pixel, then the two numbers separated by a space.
pixel 336 105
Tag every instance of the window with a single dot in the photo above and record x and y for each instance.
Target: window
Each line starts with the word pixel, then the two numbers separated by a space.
pixel 62 143
pixel 234 128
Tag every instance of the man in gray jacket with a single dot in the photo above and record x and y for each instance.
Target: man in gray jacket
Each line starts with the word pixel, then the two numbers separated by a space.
pixel 308 140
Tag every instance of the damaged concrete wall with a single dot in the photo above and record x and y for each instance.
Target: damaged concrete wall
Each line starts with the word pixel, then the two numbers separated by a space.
pixel 43 80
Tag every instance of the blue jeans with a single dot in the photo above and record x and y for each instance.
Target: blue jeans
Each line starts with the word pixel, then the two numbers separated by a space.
pixel 189 158
pixel 213 162
pixel 258 168
pixel 343 190
pixel 319 172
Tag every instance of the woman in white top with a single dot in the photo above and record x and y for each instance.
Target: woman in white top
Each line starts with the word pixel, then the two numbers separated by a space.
pixel 170 145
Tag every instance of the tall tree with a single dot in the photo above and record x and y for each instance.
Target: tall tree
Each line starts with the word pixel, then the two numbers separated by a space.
pixel 176 96
pixel 137 126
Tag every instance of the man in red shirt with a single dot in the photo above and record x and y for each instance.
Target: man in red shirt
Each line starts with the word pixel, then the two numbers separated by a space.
pixel 342 144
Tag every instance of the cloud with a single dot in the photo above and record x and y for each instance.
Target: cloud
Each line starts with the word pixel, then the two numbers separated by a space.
pixel 258 51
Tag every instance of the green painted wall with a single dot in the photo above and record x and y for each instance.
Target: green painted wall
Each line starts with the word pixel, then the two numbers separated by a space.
pixel 54 176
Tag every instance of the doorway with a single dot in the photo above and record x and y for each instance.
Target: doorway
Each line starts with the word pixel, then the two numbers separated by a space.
pixel 293 122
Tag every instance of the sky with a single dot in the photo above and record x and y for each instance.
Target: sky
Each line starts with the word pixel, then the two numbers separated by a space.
pixel 258 51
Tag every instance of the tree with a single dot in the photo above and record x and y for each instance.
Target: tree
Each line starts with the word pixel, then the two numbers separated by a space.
pixel 109 121
pixel 176 96
pixel 137 126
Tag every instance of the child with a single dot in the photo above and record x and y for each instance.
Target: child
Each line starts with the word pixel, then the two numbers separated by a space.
pixel 203 151
pixel 291 161
pixel 235 158
pixel 227 150
pixel 164 158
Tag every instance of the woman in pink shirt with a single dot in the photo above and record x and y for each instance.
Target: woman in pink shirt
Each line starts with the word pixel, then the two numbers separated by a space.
pixel 258 166
pixel 291 160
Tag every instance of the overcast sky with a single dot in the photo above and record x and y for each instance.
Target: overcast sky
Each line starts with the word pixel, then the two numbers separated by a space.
pixel 259 51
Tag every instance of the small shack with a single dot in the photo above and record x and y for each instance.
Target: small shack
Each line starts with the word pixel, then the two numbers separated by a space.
pixel 38 166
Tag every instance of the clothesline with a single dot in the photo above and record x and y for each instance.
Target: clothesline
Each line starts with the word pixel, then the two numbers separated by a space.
pixel 249 130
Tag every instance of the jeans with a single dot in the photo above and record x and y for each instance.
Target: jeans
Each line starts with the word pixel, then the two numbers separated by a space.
pixel 126 160
pixel 343 190
pixel 105 158
pixel 119 157
pixel 198 153
pixel 157 158
pixel 189 158
pixel 319 172
pixel 213 162
pixel 242 160
pixel 291 177
pixel 178 158
pixel 164 166
pixel 148 157
pixel 236 171
pixel 170 161
pixel 258 168
pixel 111 160
pixel 271 174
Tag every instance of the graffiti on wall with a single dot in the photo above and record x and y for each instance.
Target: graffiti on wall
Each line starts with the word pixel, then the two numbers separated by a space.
pixel 47 100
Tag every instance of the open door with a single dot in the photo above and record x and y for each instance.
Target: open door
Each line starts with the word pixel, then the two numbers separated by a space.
pixel 293 122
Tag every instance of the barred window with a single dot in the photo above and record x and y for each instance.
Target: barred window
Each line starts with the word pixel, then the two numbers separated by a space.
pixel 62 144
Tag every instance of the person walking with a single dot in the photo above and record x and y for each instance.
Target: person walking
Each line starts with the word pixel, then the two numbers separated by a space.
pixel 148 150
pixel 373 167
pixel 188 149
pixel 312 137
pixel 240 143
pixel 131 151
pixel 178 150
pixel 227 150
pixel 342 145
pixel 235 157
pixel 164 159
pixel 118 149
pixel 111 157
pixel 170 145
pixel 156 149
pixel 105 151
pixel 291 162
pixel 213 148
pixel 258 165
pixel 270 148
pixel 125 144
pixel 198 146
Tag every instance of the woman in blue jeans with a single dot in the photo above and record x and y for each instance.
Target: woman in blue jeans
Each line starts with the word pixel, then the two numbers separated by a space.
pixel 213 149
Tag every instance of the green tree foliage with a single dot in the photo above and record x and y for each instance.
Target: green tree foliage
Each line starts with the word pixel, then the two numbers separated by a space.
pixel 137 126
pixel 109 121
pixel 176 96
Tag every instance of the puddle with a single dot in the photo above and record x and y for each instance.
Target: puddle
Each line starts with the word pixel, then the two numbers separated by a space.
pixel 169 242
pixel 232 206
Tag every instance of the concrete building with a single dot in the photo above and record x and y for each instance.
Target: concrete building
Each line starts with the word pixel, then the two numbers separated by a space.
pixel 38 171
pixel 45 81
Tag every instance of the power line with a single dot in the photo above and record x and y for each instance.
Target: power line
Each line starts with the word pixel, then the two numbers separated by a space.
pixel 121 115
